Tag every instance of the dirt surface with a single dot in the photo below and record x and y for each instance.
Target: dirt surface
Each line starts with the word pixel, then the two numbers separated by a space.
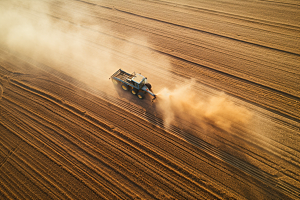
pixel 225 124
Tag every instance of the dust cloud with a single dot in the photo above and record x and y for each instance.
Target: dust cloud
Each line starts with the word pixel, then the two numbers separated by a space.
pixel 184 102
pixel 31 28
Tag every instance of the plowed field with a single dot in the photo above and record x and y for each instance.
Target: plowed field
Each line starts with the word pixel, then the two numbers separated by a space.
pixel 225 124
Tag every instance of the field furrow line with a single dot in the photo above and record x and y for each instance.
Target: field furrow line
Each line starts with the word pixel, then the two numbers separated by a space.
pixel 51 152
pixel 238 164
pixel 230 160
pixel 116 144
pixel 227 158
pixel 40 180
pixel 236 81
pixel 106 140
pixel 20 182
pixel 4 193
pixel 194 44
pixel 126 9
pixel 68 133
pixel 11 187
pixel 269 24
pixel 73 157
pixel 264 89
pixel 224 156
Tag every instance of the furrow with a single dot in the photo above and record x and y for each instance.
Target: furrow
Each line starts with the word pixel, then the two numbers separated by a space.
pixel 52 155
pixel 115 144
pixel 237 165
pixel 11 187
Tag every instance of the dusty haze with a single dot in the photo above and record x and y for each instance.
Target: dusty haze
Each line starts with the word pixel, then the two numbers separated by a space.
pixel 57 43
pixel 74 49
pixel 61 46
pixel 183 102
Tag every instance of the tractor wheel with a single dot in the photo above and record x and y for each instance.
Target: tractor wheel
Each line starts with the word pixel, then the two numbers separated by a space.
pixel 134 91
pixel 124 87
pixel 140 95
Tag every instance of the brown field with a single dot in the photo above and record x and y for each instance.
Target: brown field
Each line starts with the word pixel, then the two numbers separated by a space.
pixel 225 124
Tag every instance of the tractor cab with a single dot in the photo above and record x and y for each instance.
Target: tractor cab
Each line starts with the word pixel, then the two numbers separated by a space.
pixel 138 81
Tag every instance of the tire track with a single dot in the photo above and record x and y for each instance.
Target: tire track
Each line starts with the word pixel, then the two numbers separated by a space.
pixel 11 152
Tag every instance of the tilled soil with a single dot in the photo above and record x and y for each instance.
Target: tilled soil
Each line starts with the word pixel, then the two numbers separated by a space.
pixel 68 133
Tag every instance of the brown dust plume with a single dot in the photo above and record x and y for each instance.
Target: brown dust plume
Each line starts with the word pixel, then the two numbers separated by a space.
pixel 184 103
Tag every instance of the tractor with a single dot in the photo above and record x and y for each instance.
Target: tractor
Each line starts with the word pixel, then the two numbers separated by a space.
pixel 136 83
